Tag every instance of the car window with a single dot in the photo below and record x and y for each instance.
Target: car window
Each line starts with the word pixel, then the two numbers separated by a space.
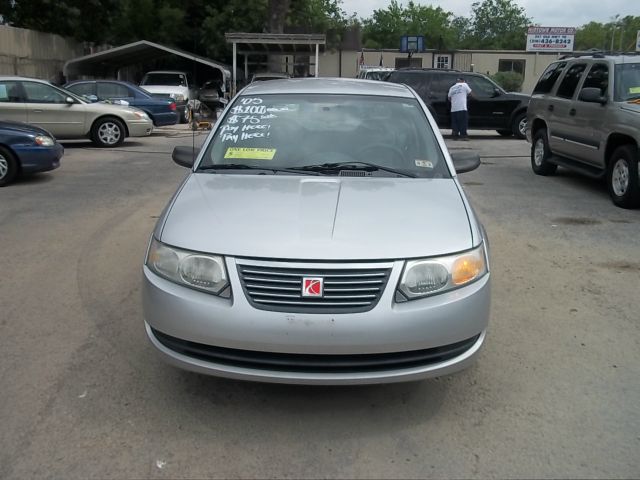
pixel 42 93
pixel 10 92
pixel 88 88
pixel 598 77
pixel 388 131
pixel 419 81
pixel 549 77
pixel 567 87
pixel 112 90
pixel 481 87
pixel 441 84
pixel 627 82
pixel 165 79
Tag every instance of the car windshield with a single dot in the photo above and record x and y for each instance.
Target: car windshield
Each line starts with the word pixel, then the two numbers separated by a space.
pixel 339 132
pixel 627 82
pixel 169 79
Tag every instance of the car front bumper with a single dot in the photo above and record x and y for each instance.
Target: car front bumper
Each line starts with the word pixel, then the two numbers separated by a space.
pixel 393 342
pixel 140 128
pixel 35 158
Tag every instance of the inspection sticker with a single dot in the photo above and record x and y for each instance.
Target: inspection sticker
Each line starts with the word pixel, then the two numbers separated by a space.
pixel 250 153
pixel 424 163
pixel 634 90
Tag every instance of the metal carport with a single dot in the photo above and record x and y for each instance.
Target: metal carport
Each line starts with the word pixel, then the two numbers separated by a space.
pixel 107 63
pixel 274 44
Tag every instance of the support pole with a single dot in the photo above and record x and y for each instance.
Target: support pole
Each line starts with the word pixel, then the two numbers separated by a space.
pixel 246 68
pixel 317 57
pixel 234 87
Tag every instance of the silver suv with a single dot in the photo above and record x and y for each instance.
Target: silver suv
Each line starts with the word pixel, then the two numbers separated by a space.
pixel 584 115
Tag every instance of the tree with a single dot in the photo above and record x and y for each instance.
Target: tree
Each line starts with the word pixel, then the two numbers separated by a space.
pixel 386 26
pixel 619 34
pixel 498 24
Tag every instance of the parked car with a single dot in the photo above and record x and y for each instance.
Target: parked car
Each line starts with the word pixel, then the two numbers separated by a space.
pixel 264 76
pixel 162 111
pixel 585 115
pixel 68 116
pixel 350 255
pixel 26 149
pixel 490 107
pixel 375 73
pixel 174 84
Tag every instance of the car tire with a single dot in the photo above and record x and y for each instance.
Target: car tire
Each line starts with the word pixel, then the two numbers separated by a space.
pixel 519 125
pixel 8 167
pixel 186 115
pixel 622 177
pixel 505 133
pixel 108 132
pixel 540 154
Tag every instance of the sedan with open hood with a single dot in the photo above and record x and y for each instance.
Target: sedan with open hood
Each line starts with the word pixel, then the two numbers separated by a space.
pixel 320 237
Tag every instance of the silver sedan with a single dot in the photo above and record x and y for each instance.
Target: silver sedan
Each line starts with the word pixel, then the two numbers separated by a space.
pixel 321 237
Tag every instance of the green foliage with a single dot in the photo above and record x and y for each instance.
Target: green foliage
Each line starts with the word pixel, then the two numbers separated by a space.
pixel 619 34
pixel 498 24
pixel 510 81
pixel 386 26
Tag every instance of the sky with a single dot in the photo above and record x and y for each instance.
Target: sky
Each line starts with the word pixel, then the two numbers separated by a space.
pixel 565 13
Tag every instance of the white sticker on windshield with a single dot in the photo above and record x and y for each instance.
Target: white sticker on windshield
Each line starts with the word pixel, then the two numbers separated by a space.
pixel 424 163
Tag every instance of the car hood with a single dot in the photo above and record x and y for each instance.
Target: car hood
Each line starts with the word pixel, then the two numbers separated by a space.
pixel 317 218
pixel 19 127
pixel 519 96
pixel 100 108
pixel 166 89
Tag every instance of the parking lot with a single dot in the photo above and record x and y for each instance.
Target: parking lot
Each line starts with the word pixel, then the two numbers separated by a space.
pixel 555 393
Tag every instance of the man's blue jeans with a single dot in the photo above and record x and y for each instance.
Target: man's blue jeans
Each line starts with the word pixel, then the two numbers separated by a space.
pixel 459 121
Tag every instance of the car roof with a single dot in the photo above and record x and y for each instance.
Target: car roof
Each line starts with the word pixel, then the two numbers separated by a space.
pixel 617 59
pixel 335 86
pixel 167 71
pixel 15 77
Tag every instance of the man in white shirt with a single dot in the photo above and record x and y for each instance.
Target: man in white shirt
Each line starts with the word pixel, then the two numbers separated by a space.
pixel 458 94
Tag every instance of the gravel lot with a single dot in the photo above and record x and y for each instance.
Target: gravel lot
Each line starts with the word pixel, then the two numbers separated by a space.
pixel 556 393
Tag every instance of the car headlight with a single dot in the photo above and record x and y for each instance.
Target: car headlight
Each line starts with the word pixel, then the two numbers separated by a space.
pixel 431 276
pixel 140 115
pixel 178 97
pixel 44 141
pixel 191 269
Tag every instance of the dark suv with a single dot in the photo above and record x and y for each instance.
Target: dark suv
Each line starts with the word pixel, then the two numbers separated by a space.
pixel 585 115
pixel 490 107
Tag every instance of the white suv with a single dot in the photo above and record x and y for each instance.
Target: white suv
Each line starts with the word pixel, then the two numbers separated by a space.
pixel 174 84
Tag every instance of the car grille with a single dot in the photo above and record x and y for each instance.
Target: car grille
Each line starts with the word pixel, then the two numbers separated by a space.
pixel 348 288
pixel 315 363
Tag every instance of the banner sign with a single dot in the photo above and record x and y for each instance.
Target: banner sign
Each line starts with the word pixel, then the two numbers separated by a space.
pixel 550 39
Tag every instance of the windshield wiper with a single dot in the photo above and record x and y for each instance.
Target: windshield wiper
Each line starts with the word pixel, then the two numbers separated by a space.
pixel 241 166
pixel 370 167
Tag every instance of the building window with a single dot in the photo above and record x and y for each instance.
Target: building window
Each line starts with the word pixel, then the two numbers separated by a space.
pixel 512 66
pixel 442 61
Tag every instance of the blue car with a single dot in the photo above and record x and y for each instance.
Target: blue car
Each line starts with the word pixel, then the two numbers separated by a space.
pixel 162 111
pixel 26 149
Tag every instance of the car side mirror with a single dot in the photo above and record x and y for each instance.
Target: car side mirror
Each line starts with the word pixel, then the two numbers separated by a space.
pixel 70 100
pixel 496 92
pixel 185 156
pixel 592 95
pixel 465 161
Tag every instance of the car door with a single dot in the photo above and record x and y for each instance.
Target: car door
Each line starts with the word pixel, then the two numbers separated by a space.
pixel 12 105
pixel 589 120
pixel 486 107
pixel 439 96
pixel 564 137
pixel 48 108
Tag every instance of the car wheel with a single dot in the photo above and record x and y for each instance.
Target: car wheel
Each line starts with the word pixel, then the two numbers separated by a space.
pixel 622 177
pixel 8 167
pixel 519 127
pixel 540 154
pixel 187 115
pixel 505 133
pixel 108 132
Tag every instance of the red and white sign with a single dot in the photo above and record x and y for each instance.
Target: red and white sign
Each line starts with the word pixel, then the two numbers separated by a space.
pixel 550 39
pixel 312 286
